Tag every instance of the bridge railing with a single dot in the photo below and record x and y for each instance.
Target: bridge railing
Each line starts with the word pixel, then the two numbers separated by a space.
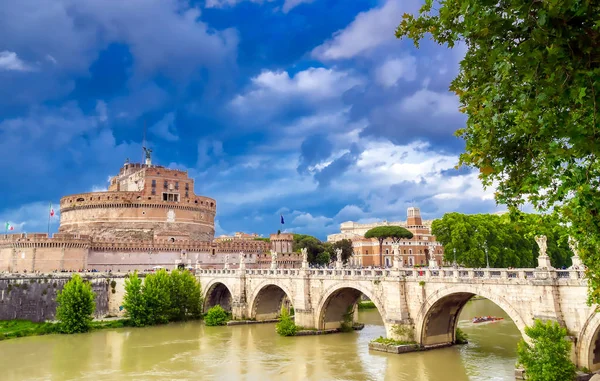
pixel 408 273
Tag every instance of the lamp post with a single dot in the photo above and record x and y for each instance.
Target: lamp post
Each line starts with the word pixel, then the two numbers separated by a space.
pixel 455 264
pixel 487 258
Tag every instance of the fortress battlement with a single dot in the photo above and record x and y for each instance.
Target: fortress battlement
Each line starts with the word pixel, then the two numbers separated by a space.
pixel 130 199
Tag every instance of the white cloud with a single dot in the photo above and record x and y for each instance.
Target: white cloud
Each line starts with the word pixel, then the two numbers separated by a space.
pixel 101 110
pixel 368 30
pixel 271 90
pixel 9 61
pixel 431 102
pixel 291 4
pixel 165 128
pixel 395 69
pixel 230 3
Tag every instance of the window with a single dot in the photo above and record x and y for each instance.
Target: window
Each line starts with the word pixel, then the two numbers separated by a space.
pixel 176 184
pixel 165 184
pixel 173 197
pixel 153 192
pixel 187 194
pixel 187 186
pixel 153 183
pixel 387 251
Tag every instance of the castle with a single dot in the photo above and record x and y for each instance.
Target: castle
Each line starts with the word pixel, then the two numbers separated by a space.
pixel 150 217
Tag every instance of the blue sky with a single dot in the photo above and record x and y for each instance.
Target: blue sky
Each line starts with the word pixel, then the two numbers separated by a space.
pixel 307 108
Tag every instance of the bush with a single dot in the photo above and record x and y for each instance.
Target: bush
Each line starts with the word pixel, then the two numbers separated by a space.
pixel 75 306
pixel 386 341
pixel 348 322
pixel 286 325
pixel 157 298
pixel 366 305
pixel 163 297
pixel 548 356
pixel 216 316
pixel 186 296
pixel 461 337
pixel 133 301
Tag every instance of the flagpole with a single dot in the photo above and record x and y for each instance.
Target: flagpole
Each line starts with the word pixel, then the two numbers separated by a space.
pixel 49 220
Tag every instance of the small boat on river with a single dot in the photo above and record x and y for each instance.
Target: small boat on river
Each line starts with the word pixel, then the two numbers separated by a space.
pixel 484 319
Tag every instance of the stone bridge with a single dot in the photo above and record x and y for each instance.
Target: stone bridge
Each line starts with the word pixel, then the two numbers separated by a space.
pixel 415 304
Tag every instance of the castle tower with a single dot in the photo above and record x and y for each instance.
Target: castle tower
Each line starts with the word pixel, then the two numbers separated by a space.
pixel 282 243
pixel 414 217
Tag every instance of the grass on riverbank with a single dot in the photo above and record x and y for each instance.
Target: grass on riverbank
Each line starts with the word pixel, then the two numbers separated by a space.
pixel 10 329
pixel 366 305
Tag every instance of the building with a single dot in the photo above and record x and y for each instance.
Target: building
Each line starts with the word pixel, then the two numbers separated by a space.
pixel 414 251
pixel 238 236
pixel 149 217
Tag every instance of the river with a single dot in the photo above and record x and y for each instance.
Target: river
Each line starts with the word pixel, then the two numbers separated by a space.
pixel 254 352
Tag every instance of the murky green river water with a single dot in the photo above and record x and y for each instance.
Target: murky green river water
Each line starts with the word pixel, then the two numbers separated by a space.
pixel 191 351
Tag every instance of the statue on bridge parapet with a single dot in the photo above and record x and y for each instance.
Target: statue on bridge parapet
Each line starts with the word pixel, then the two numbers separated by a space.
pixel 577 264
pixel 397 264
pixel 242 260
pixel 273 260
pixel 543 258
pixel 304 257
pixel 338 259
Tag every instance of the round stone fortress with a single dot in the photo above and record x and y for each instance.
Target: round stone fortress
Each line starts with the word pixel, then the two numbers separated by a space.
pixel 143 202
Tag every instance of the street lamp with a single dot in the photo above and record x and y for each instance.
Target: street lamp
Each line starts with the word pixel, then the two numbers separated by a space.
pixel 487 258
pixel 455 264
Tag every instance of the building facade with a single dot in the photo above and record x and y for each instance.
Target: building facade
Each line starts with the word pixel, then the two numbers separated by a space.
pixel 417 251
pixel 149 217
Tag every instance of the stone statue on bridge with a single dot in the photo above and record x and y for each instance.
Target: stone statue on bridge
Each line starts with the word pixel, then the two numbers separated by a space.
pixel 226 262
pixel 575 259
pixel 338 258
pixel 543 259
pixel 273 260
pixel 304 257
pixel 397 263
pixel 242 260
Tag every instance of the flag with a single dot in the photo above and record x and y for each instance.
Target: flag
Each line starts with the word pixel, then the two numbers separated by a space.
pixel 282 222
pixel 9 227
pixel 51 210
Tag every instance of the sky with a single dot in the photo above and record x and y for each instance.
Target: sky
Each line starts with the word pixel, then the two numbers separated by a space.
pixel 310 109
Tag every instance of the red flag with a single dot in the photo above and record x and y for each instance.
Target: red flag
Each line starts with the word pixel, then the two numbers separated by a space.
pixel 51 210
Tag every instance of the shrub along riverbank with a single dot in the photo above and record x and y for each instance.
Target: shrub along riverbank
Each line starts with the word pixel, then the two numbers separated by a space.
pixel 10 329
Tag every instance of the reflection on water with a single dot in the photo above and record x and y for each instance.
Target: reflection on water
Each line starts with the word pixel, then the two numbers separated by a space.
pixel 255 352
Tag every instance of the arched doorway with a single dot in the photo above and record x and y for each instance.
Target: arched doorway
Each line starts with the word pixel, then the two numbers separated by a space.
pixel 218 294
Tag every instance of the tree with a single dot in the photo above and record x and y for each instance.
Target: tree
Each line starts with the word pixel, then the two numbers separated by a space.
pixel 528 84
pixel 313 246
pixel 185 295
pixel 346 246
pixel 548 356
pixel 157 297
pixel 75 306
pixel 509 242
pixel 216 316
pixel 133 301
pixel 286 325
pixel 395 233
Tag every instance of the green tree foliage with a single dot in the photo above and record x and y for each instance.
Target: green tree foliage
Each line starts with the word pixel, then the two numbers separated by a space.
pixel 548 356
pixel 133 301
pixel 157 297
pixel 510 241
pixel 286 325
pixel 185 296
pixel 529 86
pixel 395 233
pixel 313 246
pixel 216 316
pixel 346 246
pixel 163 297
pixel 75 306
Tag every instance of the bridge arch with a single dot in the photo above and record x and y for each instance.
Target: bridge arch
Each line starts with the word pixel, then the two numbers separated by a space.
pixel 437 319
pixel 267 298
pixel 336 300
pixel 217 293
pixel 588 343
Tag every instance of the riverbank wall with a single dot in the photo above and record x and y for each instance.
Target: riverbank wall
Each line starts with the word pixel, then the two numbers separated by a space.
pixel 33 296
